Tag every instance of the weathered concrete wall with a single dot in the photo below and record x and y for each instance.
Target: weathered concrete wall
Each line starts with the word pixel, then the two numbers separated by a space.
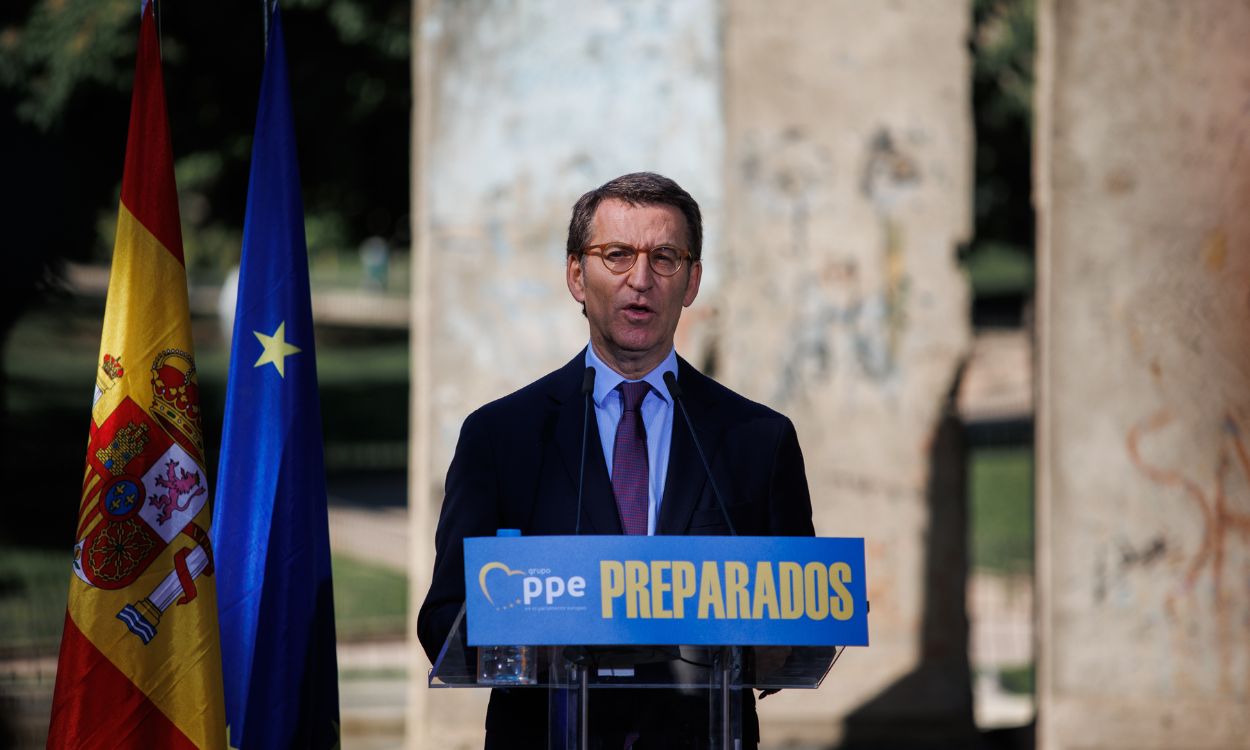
pixel 848 190
pixel 531 105
pixel 840 133
pixel 1143 190
pixel 522 107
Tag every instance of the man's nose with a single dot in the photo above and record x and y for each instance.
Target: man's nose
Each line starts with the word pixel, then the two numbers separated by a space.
pixel 641 277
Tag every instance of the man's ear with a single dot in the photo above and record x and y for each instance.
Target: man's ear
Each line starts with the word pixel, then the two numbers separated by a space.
pixel 575 276
pixel 692 284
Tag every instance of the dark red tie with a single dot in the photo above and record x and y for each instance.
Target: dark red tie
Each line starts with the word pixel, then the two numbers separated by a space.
pixel 629 460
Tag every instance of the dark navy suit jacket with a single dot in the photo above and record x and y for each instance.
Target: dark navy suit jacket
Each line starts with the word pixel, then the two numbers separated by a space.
pixel 516 466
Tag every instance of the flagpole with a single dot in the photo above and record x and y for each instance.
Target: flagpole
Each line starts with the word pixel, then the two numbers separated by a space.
pixel 264 12
pixel 160 39
pixel 156 16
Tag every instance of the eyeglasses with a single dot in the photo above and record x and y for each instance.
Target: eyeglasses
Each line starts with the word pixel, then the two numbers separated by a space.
pixel 619 257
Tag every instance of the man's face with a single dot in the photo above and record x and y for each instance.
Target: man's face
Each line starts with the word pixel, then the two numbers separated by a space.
pixel 633 315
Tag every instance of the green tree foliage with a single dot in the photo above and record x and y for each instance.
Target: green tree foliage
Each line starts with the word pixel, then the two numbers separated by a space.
pixel 65 75
pixel 57 73
pixel 1003 48
pixel 66 71
pixel 61 49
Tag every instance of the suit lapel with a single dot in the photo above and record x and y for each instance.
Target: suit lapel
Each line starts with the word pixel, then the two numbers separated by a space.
pixel 686 478
pixel 599 514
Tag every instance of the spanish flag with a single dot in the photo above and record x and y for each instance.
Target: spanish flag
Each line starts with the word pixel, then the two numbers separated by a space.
pixel 140 663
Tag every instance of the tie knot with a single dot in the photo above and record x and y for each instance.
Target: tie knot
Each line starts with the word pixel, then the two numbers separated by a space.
pixel 633 394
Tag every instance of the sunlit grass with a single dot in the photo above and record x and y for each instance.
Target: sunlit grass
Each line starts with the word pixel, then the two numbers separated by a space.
pixel 369 601
pixel 1001 509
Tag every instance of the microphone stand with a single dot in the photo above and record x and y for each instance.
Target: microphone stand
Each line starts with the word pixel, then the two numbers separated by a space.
pixel 588 387
pixel 670 380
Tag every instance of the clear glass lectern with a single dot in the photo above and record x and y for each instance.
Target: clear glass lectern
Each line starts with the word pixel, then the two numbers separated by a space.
pixel 569 674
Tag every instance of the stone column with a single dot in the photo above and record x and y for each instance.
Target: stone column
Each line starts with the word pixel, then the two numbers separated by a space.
pixel 848 191
pixel 1143 191
pixel 520 108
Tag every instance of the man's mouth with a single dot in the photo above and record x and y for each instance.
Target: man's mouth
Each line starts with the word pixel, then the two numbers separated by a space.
pixel 638 311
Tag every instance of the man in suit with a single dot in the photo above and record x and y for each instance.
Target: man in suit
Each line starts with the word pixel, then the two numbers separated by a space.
pixel 633 262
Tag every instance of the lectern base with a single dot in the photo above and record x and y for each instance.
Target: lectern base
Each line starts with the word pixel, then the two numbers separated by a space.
pixel 651 718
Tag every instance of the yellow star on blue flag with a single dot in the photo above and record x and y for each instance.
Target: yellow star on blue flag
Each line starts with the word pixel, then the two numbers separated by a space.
pixel 276 349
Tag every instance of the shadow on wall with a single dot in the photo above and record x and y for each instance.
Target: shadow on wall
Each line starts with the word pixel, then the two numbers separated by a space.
pixel 932 706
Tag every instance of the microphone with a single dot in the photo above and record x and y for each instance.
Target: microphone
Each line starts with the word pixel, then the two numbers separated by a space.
pixel 588 387
pixel 670 380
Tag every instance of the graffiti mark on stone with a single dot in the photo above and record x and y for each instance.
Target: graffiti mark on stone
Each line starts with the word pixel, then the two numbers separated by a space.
pixel 1144 556
pixel 1224 519
pixel 849 311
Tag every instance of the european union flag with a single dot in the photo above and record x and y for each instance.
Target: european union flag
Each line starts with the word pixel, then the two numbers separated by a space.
pixel 270 529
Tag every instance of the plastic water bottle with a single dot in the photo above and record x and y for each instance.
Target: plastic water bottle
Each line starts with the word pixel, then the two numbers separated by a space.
pixel 506 665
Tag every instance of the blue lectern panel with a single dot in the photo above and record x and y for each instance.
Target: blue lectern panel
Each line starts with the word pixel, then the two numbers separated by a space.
pixel 599 590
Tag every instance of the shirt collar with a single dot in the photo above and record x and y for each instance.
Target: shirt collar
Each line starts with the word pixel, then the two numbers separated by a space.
pixel 607 379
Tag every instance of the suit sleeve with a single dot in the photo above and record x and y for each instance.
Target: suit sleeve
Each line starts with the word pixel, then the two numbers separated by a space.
pixel 790 504
pixel 469 509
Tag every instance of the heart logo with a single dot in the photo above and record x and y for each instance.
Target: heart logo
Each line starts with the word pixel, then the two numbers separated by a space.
pixel 486 569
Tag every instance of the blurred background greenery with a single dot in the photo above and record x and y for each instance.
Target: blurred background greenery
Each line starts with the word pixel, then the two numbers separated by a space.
pixel 66 68
pixel 65 75
pixel 999 259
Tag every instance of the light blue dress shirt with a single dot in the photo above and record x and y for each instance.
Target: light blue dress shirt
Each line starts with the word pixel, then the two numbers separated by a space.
pixel 657 419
